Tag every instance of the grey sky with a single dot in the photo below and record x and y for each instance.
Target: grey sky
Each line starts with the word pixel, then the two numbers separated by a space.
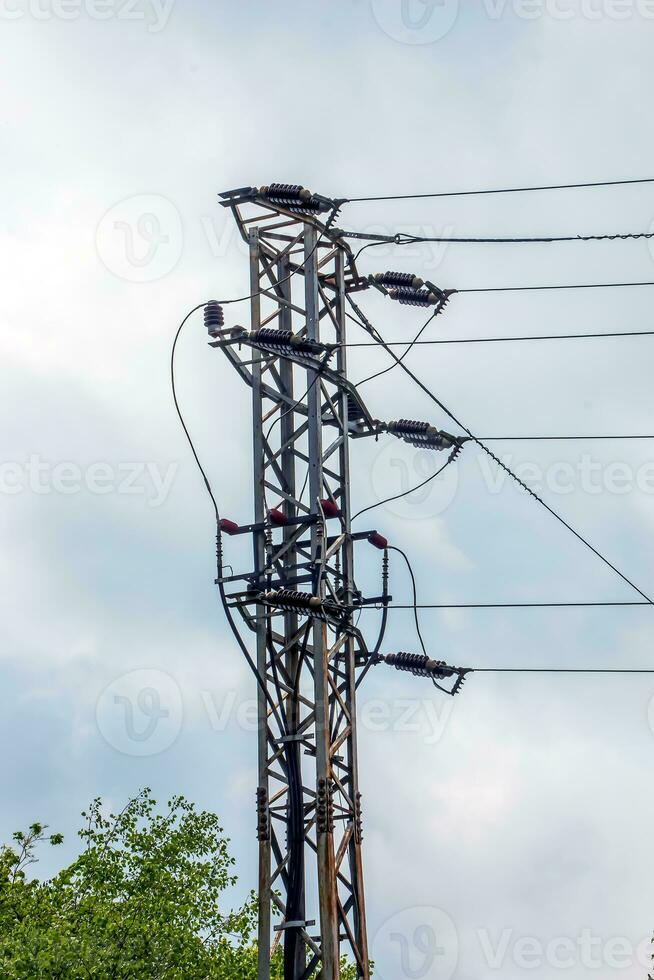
pixel 524 808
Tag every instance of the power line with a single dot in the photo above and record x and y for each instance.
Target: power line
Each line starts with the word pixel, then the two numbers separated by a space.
pixel 561 438
pixel 173 388
pixel 500 190
pixel 307 687
pixel 581 285
pixel 368 326
pixel 406 493
pixel 503 340
pixel 512 605
pixel 410 346
pixel 490 340
pixel 404 239
pixel 561 670
pixel 219 550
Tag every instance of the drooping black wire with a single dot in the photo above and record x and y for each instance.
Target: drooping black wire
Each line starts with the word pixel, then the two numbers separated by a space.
pixel 412 343
pixel 406 493
pixel 393 547
pixel 219 548
pixel 500 190
pixel 243 299
pixel 179 412
pixel 423 387
pixel 364 247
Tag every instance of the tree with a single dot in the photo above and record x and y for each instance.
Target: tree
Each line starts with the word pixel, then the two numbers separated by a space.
pixel 142 900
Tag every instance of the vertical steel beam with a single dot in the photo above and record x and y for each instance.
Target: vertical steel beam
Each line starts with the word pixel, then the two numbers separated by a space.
pixel 294 946
pixel 324 823
pixel 258 541
pixel 354 827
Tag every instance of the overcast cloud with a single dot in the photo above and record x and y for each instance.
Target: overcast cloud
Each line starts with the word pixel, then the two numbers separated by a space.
pixel 514 823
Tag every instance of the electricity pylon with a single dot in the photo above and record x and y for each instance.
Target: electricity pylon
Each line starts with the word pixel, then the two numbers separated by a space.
pixel 300 598
pixel 308 798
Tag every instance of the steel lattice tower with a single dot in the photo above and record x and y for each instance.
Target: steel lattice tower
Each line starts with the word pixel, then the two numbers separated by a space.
pixel 308 798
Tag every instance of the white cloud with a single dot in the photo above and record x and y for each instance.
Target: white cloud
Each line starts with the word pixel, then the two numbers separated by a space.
pixel 532 808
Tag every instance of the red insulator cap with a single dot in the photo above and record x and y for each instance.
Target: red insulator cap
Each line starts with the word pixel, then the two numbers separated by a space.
pixel 378 540
pixel 276 517
pixel 330 509
pixel 229 527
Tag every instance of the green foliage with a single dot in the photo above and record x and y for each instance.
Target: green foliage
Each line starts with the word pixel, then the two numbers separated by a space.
pixel 143 900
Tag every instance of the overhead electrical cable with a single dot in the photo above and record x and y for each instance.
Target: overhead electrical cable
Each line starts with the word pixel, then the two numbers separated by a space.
pixel 579 285
pixel 221 587
pixel 410 345
pixel 561 670
pixel 605 438
pixel 511 605
pixel 392 547
pixel 375 333
pixel 501 340
pixel 501 190
pixel 400 239
pixel 406 493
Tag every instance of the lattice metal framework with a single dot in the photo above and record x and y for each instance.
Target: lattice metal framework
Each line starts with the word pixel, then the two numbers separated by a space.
pixel 304 410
